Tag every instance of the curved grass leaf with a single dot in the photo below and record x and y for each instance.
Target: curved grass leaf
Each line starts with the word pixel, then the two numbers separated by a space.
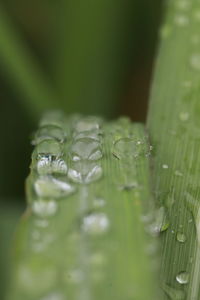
pixel 89 228
pixel 174 124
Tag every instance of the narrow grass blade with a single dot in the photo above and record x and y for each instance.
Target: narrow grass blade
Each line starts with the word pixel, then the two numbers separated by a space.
pixel 89 228
pixel 22 70
pixel 174 125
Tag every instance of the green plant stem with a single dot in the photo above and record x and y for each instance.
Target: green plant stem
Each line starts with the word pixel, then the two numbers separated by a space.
pixel 174 126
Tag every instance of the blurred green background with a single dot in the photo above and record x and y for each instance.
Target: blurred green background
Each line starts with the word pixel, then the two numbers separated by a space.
pixel 91 56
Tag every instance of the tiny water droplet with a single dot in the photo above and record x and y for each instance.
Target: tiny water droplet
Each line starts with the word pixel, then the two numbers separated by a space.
pixel 44 208
pixel 85 172
pixel 164 166
pixel 162 221
pixel 182 277
pixel 184 116
pixel 181 20
pixel 195 61
pixel 181 237
pixel 95 223
pixel 51 165
pixel 178 173
pixel 50 187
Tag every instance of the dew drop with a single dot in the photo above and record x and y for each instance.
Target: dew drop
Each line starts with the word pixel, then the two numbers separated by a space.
pixel 165 166
pixel 181 20
pixel 195 61
pixel 44 208
pixel 95 223
pixel 87 124
pixel 184 116
pixel 54 296
pixel 48 148
pixel 162 221
pixel 49 187
pixel 86 148
pixel 85 172
pixel 48 133
pixel 182 277
pixel 178 173
pixel 94 135
pixel 181 237
pixel 127 147
pixel 51 165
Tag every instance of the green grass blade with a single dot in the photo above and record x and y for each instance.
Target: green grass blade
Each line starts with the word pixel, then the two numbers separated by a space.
pixel 174 125
pixel 89 229
pixel 22 70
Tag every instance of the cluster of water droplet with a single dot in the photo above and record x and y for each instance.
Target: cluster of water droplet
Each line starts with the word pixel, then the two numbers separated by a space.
pixel 86 151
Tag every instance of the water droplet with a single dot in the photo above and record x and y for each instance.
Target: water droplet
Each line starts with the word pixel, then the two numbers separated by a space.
pixel 184 116
pixel 182 277
pixel 99 202
pixel 181 237
pixel 86 148
pixel 195 61
pixel 51 165
pixel 165 166
pixel 87 124
pixel 94 135
pixel 42 223
pixel 127 147
pixel 181 20
pixel 54 296
pixel 178 173
pixel 95 223
pixel 162 221
pixel 55 118
pixel 48 148
pixel 85 172
pixel 44 208
pixel 49 187
pixel 48 133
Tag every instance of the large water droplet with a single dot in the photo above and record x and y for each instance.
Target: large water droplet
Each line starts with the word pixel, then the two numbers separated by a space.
pixel 51 165
pixel 127 147
pixel 49 187
pixel 181 237
pixel 87 124
pixel 182 277
pixel 195 61
pixel 43 208
pixel 49 133
pixel 85 172
pixel 95 223
pixel 86 148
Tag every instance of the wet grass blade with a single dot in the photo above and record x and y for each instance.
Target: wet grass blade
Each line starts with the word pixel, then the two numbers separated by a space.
pixel 174 125
pixel 89 228
pixel 22 70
